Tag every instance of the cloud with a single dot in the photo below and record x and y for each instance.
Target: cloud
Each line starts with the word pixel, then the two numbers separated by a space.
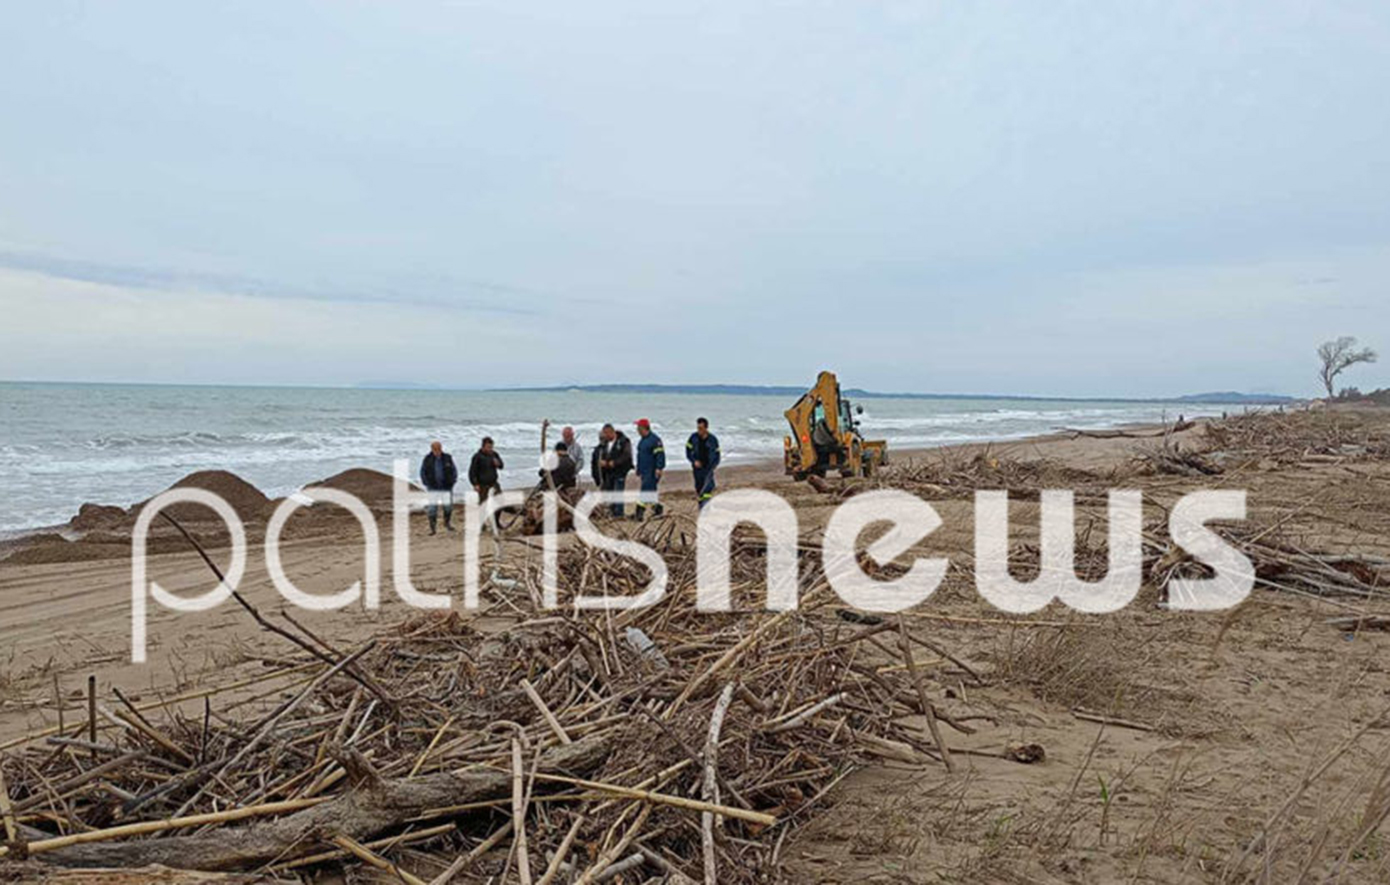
pixel 66 329
pixel 433 291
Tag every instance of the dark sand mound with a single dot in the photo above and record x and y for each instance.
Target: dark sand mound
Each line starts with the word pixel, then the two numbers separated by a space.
pixel 94 517
pixel 371 486
pixel 106 528
pixel 47 547
pixel 249 502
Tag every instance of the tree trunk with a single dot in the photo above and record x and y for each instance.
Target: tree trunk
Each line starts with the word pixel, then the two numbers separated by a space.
pixel 35 873
pixel 370 809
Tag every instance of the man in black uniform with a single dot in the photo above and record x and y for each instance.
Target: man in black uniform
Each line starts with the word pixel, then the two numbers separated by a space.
pixel 702 451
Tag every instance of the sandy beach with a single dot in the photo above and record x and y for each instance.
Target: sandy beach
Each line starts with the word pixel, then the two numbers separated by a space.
pixel 65 592
pixel 1105 283
pixel 1171 739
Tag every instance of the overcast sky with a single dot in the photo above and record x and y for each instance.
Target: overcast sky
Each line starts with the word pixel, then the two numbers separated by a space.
pixel 1054 198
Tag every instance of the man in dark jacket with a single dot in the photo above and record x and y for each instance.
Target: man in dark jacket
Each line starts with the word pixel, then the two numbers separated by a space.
pixel 612 461
pixel 651 463
pixel 438 475
pixel 702 451
pixel 483 470
pixel 565 472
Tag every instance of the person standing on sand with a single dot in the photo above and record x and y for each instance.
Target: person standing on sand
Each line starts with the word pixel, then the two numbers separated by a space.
pixel 651 463
pixel 483 470
pixel 438 475
pixel 702 451
pixel 565 473
pixel 611 461
pixel 576 451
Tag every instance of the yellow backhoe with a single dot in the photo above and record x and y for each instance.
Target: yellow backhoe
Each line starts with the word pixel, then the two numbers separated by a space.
pixel 825 435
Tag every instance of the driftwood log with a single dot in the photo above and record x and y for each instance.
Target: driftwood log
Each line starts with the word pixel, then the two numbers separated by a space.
pixel 372 807
pixel 41 874
pixel 1178 427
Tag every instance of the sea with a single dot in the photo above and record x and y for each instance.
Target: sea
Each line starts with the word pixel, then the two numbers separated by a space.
pixel 65 444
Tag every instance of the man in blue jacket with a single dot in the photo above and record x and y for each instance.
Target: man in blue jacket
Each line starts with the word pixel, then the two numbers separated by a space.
pixel 702 451
pixel 438 475
pixel 651 463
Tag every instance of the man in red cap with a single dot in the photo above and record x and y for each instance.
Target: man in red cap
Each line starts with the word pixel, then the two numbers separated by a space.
pixel 651 463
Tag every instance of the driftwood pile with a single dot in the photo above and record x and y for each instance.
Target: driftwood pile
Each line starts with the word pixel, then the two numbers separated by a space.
pixel 1170 456
pixel 1280 564
pixel 953 475
pixel 1296 437
pixel 662 745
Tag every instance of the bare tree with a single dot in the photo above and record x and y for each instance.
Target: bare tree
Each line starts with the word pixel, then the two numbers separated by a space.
pixel 1339 355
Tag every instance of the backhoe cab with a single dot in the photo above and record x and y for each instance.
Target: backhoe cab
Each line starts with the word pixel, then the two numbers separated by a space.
pixel 825 435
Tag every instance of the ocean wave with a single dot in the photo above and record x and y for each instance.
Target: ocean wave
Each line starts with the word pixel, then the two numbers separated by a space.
pixel 123 451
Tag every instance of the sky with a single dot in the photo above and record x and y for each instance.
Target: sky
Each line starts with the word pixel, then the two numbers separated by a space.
pixel 1082 199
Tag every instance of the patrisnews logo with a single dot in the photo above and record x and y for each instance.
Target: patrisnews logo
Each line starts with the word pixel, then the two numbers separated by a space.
pixel 909 520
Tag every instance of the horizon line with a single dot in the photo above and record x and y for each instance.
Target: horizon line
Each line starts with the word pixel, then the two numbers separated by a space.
pixel 685 389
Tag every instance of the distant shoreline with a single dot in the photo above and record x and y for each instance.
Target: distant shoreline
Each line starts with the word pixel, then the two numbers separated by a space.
pixel 1229 398
pixel 1221 398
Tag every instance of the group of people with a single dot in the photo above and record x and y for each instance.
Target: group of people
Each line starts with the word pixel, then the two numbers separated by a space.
pixel 439 474
pixel 612 459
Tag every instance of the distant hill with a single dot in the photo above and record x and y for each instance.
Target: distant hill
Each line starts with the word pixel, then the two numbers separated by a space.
pixel 397 385
pixel 1230 396
pixel 718 389
pixel 1224 397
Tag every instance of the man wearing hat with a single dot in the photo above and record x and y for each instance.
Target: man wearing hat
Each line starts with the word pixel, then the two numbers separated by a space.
pixel 651 463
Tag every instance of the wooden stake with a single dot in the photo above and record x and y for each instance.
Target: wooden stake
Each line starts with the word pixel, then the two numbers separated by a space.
pixel 464 860
pixel 756 817
pixel 174 823
pixel 928 711
pixel 415 769
pixel 523 861
pixel 11 834
pixel 135 720
pixel 709 787
pixel 549 717
pixel 92 711
pixel 387 843
pixel 58 699
pixel 560 853
pixel 362 852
